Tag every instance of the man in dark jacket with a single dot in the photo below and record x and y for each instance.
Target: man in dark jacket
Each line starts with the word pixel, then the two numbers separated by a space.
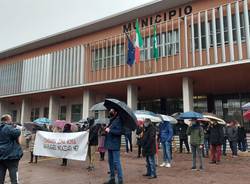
pixel 242 138
pixel 149 148
pixel 181 130
pixel 216 137
pixel 113 144
pixel 93 142
pixel 10 150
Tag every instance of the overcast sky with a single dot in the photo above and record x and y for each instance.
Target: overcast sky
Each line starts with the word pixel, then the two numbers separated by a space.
pixel 25 20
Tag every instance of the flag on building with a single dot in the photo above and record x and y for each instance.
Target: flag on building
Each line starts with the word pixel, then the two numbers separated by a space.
pixel 138 42
pixel 131 52
pixel 155 48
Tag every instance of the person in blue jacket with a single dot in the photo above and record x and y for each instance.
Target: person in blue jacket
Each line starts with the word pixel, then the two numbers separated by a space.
pixel 165 137
pixel 10 149
pixel 113 144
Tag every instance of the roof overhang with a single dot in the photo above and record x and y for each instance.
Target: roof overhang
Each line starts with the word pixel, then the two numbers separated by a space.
pixel 104 23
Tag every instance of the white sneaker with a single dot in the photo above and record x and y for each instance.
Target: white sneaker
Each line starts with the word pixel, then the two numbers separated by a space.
pixel 163 164
pixel 168 165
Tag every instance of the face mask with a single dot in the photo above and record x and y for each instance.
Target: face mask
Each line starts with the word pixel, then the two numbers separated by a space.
pixel 146 124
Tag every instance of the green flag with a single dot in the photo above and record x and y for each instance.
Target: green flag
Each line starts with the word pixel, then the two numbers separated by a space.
pixel 156 54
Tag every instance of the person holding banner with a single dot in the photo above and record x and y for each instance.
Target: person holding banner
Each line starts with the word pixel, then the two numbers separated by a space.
pixel 10 149
pixel 113 144
pixel 66 129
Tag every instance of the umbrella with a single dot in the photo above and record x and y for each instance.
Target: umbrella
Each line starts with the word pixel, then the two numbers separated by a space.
pixel 168 118
pixel 30 126
pixel 191 115
pixel 102 121
pixel 98 107
pixel 246 115
pixel 43 121
pixel 246 106
pixel 143 114
pixel 126 113
pixel 60 123
pixel 214 118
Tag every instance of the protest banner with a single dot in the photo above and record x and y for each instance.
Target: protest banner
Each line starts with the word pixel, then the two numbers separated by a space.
pixel 62 145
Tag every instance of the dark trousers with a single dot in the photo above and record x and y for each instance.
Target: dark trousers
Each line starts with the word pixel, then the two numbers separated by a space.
pixel 102 155
pixel 64 162
pixel 186 144
pixel 233 146
pixel 224 146
pixel 12 166
pixel 242 145
pixel 128 139
pixel 32 157
pixel 139 150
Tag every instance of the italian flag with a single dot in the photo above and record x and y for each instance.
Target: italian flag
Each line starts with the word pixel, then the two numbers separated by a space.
pixel 138 42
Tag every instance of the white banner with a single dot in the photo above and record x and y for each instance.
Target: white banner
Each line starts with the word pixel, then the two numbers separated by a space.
pixel 62 145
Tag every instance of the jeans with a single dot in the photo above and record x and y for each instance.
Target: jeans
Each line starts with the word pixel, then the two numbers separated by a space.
pixel 128 139
pixel 197 150
pixel 186 144
pixel 215 152
pixel 233 146
pixel 12 166
pixel 206 147
pixel 242 145
pixel 115 163
pixel 166 148
pixel 151 169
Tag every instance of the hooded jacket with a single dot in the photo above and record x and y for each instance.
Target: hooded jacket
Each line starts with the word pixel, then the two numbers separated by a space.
pixel 165 132
pixel 10 149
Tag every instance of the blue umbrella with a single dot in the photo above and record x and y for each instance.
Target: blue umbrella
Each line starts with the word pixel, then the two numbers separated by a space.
pixel 246 106
pixel 191 115
pixel 43 121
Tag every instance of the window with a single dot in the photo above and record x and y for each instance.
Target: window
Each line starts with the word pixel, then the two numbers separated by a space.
pixel 62 113
pixel 218 33
pixel 14 115
pixel 108 57
pixel 76 112
pixel 46 112
pixel 34 114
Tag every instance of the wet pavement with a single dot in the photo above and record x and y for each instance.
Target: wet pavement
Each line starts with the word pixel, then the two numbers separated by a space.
pixel 49 171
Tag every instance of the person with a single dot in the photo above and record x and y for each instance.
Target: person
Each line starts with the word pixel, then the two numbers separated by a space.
pixel 149 148
pixel 113 144
pixel 196 140
pixel 165 138
pixel 205 150
pixel 27 136
pixel 232 134
pixel 242 141
pixel 10 149
pixel 216 137
pixel 32 143
pixel 101 140
pixel 139 134
pixel 66 129
pixel 181 130
pixel 128 140
pixel 93 142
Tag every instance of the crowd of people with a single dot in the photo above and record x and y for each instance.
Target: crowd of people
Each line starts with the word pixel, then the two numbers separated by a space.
pixel 206 140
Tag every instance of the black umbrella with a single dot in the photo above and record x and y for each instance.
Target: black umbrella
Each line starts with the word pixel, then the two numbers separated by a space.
pixel 127 115
pixel 30 126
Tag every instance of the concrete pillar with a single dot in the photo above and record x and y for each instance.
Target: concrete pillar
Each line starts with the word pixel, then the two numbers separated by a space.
pixel 132 101
pixel 88 101
pixel 1 108
pixel 187 92
pixel 25 111
pixel 53 107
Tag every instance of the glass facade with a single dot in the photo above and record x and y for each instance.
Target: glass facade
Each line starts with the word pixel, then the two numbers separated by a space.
pixel 76 112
